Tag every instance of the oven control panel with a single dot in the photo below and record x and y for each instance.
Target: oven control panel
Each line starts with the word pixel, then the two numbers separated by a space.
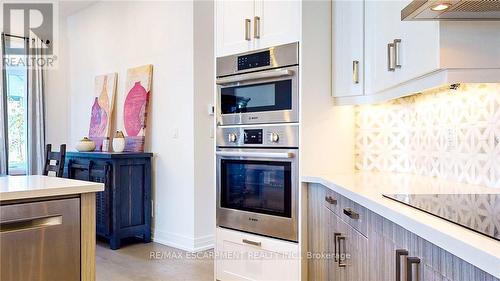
pixel 264 136
pixel 252 136
pixel 254 60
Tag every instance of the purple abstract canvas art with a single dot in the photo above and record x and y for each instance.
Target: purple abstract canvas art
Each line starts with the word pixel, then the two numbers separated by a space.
pixel 102 108
pixel 136 106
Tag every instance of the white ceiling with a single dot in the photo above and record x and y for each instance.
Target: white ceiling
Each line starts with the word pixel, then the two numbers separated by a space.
pixel 68 8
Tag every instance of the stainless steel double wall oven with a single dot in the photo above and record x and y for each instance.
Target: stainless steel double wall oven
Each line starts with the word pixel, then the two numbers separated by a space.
pixel 257 142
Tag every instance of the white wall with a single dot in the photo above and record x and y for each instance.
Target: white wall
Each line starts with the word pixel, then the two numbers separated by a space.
pixel 57 95
pixel 204 89
pixel 114 36
pixel 327 131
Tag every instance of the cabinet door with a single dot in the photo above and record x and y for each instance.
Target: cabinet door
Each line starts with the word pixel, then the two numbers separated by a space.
pixel 230 18
pixel 279 22
pixel 347 48
pixel 244 257
pixel 336 228
pixel 318 217
pixel 351 249
pixel 419 49
pixel 381 23
pixel 417 53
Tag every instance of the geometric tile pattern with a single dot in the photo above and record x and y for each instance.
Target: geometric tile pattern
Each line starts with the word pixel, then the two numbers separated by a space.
pixel 480 212
pixel 452 134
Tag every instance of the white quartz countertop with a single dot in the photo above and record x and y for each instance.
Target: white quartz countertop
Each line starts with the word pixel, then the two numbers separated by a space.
pixel 26 187
pixel 366 189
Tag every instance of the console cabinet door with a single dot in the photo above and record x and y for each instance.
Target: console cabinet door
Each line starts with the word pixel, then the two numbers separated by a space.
pixel 231 19
pixel 348 48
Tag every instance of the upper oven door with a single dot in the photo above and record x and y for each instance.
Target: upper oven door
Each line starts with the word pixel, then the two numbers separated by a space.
pixel 269 96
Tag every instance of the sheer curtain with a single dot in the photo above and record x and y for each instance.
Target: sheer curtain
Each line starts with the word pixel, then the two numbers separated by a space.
pixel 36 110
pixel 3 117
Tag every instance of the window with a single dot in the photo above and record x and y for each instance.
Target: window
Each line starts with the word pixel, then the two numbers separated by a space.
pixel 16 89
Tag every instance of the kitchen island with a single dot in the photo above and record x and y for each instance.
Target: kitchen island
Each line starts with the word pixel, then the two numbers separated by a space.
pixel 350 209
pixel 47 228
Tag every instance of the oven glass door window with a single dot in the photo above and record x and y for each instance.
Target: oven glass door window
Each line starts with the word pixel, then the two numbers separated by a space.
pixel 270 96
pixel 256 186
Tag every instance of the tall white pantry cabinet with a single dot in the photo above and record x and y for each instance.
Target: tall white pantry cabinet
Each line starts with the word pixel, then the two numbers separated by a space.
pixel 243 26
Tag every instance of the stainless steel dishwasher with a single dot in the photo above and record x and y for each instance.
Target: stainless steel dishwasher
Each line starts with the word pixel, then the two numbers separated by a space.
pixel 40 241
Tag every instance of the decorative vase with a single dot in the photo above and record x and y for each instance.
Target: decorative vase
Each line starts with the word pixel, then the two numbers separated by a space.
pixel 118 142
pixel 85 145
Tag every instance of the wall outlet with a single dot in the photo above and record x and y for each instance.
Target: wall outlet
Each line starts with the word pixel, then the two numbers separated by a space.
pixel 210 110
pixel 175 133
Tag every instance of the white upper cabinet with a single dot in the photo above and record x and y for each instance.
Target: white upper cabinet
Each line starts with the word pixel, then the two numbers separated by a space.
pixel 397 51
pixel 401 58
pixel 233 26
pixel 249 25
pixel 276 22
pixel 347 48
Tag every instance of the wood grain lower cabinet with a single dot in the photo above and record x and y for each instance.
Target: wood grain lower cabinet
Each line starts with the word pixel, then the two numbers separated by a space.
pixel 350 251
pixel 373 257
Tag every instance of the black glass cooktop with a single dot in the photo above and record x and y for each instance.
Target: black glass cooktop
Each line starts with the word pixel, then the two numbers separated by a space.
pixel 478 212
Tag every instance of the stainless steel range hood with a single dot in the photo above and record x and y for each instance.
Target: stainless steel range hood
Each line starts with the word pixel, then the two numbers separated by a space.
pixel 453 10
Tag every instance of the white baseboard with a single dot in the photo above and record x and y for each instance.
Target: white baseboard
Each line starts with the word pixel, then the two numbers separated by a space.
pixel 189 244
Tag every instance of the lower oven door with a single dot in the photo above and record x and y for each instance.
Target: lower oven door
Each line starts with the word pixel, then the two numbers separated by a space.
pixel 257 191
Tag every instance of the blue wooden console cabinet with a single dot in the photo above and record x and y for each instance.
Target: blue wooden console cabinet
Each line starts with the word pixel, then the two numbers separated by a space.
pixel 124 207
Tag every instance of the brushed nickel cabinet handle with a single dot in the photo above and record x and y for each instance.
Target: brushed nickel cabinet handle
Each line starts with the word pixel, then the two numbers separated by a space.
pixel 30 224
pixel 409 270
pixel 391 65
pixel 341 240
pixel 399 253
pixel 335 253
pixel 331 200
pixel 250 242
pixel 256 27
pixel 397 60
pixel 351 213
pixel 247 29
pixel 355 72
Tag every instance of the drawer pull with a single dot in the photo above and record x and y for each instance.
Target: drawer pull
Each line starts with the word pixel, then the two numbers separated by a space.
pixel 399 253
pixel 331 200
pixel 351 213
pixel 409 270
pixel 342 257
pixel 335 253
pixel 250 242
pixel 391 61
pixel 247 29
pixel 397 60
pixel 29 224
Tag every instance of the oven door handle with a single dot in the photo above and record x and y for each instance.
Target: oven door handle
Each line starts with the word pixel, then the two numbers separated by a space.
pixel 255 76
pixel 274 155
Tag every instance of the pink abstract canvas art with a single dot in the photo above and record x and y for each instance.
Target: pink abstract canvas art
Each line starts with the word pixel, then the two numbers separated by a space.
pixel 102 108
pixel 136 106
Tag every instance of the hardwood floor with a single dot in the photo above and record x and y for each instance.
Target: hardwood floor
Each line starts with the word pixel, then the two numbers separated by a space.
pixel 152 262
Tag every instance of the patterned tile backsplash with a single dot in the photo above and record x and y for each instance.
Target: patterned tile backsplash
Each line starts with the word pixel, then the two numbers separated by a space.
pixel 444 133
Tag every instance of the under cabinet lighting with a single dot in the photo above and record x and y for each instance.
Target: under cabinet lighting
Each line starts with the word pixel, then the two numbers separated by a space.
pixel 441 7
